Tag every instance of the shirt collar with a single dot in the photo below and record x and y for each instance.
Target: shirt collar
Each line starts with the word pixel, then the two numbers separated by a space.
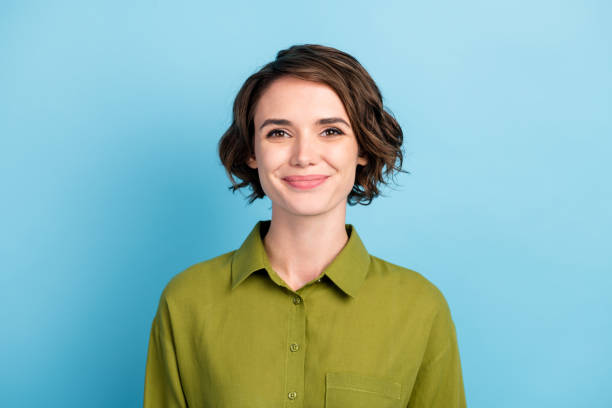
pixel 348 269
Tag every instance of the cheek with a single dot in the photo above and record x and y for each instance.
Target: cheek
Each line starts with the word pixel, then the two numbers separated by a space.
pixel 345 158
pixel 267 163
pixel 264 180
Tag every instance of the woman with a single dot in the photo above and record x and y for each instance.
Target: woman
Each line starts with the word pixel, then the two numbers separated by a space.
pixel 301 315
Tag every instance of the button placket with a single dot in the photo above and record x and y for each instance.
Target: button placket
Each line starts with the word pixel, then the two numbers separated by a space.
pixel 295 353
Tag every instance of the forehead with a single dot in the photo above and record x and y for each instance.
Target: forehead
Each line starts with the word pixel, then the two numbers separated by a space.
pixel 290 97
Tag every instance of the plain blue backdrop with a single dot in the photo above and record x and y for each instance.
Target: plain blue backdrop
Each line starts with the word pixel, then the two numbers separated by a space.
pixel 110 113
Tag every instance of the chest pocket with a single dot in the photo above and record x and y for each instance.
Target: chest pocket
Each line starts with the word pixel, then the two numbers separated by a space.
pixel 344 389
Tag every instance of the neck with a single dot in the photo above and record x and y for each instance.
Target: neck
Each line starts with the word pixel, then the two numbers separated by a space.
pixel 301 247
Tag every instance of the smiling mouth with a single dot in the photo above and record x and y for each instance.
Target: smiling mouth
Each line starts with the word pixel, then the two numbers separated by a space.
pixel 306 182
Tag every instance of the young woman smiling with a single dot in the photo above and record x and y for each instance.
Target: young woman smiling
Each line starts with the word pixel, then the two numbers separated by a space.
pixel 301 315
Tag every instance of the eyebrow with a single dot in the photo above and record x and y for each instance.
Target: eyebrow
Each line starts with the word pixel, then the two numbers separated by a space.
pixel 285 122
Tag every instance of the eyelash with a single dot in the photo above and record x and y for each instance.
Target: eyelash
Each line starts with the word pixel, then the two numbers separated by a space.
pixel 276 131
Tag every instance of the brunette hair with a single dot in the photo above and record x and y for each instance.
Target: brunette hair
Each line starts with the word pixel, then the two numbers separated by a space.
pixel 378 134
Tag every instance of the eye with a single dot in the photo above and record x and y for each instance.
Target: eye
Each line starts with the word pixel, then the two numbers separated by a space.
pixel 335 131
pixel 276 133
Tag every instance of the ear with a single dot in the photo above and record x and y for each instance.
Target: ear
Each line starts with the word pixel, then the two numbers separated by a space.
pixel 252 162
pixel 362 160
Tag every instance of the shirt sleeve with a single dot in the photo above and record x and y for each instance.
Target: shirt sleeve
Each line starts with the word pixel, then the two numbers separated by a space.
pixel 162 377
pixel 439 382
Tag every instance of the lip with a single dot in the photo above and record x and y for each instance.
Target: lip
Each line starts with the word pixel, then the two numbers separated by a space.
pixel 305 182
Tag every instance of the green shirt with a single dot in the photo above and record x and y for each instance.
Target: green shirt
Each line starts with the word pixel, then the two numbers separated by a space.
pixel 229 332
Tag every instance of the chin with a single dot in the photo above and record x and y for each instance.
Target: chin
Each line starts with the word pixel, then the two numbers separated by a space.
pixel 308 210
pixel 305 207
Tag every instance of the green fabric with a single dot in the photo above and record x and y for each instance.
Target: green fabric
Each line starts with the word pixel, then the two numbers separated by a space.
pixel 230 333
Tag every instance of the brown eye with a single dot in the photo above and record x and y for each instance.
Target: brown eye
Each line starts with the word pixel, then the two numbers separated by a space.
pixel 334 131
pixel 276 133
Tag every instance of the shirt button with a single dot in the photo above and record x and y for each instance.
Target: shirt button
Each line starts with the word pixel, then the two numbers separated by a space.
pixel 294 347
pixel 292 395
pixel 318 280
pixel 296 300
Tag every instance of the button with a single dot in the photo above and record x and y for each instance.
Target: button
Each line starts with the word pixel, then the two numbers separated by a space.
pixel 294 347
pixel 296 300
pixel 292 395
pixel 319 280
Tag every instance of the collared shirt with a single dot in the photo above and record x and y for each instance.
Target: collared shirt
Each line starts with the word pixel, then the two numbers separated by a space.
pixel 229 332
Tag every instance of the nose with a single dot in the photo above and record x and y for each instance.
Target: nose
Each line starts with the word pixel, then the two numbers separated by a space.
pixel 305 151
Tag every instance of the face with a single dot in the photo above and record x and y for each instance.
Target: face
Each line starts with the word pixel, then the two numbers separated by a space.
pixel 306 153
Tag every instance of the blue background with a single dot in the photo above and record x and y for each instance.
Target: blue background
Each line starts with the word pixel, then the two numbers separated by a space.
pixel 110 113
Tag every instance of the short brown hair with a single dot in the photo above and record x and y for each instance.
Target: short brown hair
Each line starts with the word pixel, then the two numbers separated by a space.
pixel 378 134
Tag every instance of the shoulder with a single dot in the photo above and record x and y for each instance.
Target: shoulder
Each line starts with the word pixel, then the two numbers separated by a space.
pixel 199 282
pixel 411 295
pixel 406 285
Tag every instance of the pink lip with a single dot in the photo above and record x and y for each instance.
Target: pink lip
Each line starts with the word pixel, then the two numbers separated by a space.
pixel 305 182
